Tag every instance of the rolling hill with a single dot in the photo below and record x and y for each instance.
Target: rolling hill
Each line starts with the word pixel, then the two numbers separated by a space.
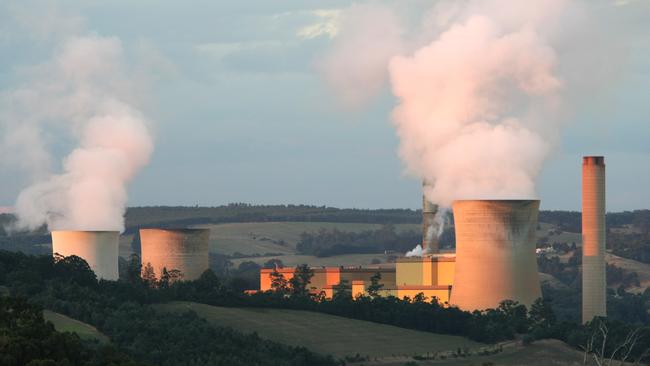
pixel 377 344
pixel 63 323
pixel 326 334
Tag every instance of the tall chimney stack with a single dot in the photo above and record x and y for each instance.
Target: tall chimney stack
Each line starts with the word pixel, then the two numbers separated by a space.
pixel 429 225
pixel 593 238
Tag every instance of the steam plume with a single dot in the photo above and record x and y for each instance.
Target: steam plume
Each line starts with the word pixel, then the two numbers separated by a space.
pixel 82 92
pixel 478 87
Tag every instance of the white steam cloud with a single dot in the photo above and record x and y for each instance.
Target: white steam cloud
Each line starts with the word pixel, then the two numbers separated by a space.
pixel 83 93
pixel 478 87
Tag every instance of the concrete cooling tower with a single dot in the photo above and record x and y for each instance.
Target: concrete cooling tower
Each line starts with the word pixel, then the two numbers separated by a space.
pixel 593 238
pixel 99 248
pixel 183 249
pixel 495 253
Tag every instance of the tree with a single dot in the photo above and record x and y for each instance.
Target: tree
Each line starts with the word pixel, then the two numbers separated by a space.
pixel 516 314
pixel 74 268
pixel 164 278
pixel 175 275
pixel 134 269
pixel 300 281
pixel 342 291
pixel 606 348
pixel 278 282
pixel 273 263
pixel 149 276
pixel 541 314
pixel 375 286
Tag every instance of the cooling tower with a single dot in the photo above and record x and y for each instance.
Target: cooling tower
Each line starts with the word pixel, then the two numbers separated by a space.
pixel 183 249
pixel 99 248
pixel 429 227
pixel 495 253
pixel 593 238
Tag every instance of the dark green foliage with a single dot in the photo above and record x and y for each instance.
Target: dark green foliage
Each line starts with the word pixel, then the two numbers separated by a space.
pixel 27 339
pixel 375 286
pixel 278 283
pixel 122 310
pixel 299 283
pixel 134 269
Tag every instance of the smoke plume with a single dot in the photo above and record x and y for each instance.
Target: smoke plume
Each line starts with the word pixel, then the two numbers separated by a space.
pixel 478 87
pixel 83 94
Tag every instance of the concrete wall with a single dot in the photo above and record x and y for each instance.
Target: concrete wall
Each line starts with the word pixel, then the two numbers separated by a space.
pixel 495 253
pixel 593 238
pixel 365 273
pixel 436 270
pixel 409 271
pixel 183 249
pixel 99 248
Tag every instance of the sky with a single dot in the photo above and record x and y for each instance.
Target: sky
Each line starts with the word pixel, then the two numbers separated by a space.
pixel 240 113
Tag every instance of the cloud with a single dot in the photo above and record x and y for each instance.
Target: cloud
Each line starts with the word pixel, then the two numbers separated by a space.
pixel 328 24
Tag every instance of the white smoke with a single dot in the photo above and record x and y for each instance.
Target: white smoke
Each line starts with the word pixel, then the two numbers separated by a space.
pixel 83 93
pixel 478 89
pixel 353 70
pixel 415 252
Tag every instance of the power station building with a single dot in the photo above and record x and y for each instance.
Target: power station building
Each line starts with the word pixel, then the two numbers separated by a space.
pixel 494 260
pixel 100 249
pixel 185 250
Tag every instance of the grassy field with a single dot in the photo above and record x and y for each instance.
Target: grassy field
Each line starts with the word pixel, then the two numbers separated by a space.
pixel 642 269
pixel 548 230
pixel 326 334
pixel 548 352
pixel 63 323
pixel 275 237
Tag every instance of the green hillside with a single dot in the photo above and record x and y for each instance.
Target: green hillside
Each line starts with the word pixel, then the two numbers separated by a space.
pixel 326 334
pixel 63 323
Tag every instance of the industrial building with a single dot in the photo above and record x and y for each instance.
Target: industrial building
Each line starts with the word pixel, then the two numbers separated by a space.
pixel 327 279
pixel 100 249
pixel 185 250
pixel 494 261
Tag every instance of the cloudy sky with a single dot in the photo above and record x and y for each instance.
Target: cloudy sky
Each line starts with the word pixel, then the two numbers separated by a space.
pixel 240 112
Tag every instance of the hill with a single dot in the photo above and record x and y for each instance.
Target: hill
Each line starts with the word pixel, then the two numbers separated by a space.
pixel 326 334
pixel 276 237
pixel 630 265
pixel 63 323
pixel 541 353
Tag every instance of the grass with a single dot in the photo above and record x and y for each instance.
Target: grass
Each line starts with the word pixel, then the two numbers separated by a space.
pixel 63 323
pixel 642 269
pixel 275 237
pixel 540 353
pixel 326 334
